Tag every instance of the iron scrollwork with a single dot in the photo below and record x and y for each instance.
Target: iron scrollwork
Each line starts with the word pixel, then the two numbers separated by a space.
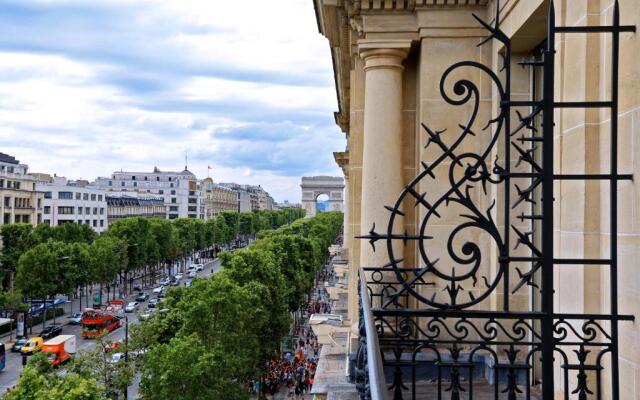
pixel 454 330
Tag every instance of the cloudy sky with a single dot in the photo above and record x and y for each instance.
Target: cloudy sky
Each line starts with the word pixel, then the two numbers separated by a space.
pixel 92 86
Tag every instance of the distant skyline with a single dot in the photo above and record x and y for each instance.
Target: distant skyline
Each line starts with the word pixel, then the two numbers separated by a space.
pixel 88 88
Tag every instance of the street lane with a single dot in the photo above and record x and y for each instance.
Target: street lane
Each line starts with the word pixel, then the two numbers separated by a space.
pixel 9 376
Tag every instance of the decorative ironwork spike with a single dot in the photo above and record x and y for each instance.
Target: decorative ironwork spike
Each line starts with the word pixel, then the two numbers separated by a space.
pixel 393 262
pixel 435 138
pixel 525 194
pixel 524 238
pixel 420 199
pixel 464 128
pixel 472 297
pixel 394 211
pixel 526 155
pixel 493 121
pixel 373 237
pixel 427 169
pixel 526 277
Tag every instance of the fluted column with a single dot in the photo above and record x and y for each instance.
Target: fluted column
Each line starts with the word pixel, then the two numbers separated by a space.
pixel 382 178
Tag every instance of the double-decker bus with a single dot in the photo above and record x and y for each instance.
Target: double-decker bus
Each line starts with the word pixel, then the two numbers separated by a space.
pixel 98 322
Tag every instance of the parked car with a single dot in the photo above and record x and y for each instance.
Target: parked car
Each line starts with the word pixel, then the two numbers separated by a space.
pixel 17 345
pixel 75 319
pixel 51 331
pixel 199 267
pixel 188 283
pixel 178 277
pixel 152 303
pixel 192 274
pixel 162 294
pixel 142 297
pixel 137 287
pixel 191 268
pixel 33 345
pixel 131 307
pixel 175 282
pixel 158 289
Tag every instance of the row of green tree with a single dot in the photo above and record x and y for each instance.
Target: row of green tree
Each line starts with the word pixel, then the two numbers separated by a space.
pixel 215 336
pixel 44 261
pixel 218 333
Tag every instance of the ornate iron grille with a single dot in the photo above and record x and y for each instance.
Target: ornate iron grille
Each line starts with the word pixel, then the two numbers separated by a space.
pixel 450 337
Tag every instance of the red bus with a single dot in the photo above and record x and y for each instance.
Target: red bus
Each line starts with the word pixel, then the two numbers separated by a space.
pixel 97 322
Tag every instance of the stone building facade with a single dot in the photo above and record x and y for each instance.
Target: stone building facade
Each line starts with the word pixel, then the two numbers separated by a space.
pixel 389 57
pixel 20 202
pixel 122 206
pixel 217 199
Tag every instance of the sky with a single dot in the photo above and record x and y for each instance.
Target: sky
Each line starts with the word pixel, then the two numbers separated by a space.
pixel 89 87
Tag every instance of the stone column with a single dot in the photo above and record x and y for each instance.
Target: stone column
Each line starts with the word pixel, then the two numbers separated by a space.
pixel 382 178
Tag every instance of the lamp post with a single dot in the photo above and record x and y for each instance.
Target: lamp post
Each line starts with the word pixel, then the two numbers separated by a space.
pixel 126 350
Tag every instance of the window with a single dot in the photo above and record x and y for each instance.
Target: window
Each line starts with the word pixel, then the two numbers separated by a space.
pixel 193 201
pixel 122 183
pixel 157 178
pixel 95 210
pixel 133 177
pixel 193 208
pixel 173 192
pixel 101 223
pixel 87 210
pixel 65 195
pixel 47 195
pixel 1 183
pixel 47 209
pixel 160 191
pixel 46 221
pixel 173 216
pixel 16 185
pixel 135 184
pixel 7 201
pixel 101 210
pixel 170 180
pixel 95 223
pixel 173 200
pixel 173 208
pixel 80 210
pixel 78 195
pixel 192 193
pixel 93 197
pixel 99 197
pixel 110 183
pixel 171 185
pixel 85 196
pixel 65 210
pixel 146 179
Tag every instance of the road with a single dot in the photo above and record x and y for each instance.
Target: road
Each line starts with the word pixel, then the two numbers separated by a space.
pixel 9 376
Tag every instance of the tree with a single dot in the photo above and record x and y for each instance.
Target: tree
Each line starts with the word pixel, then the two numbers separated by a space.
pixel 73 233
pixel 16 239
pixel 38 381
pixel 107 256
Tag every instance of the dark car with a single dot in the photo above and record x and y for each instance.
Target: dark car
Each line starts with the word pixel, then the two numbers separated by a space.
pixel 137 287
pixel 51 331
pixel 162 294
pixel 142 296
pixel 17 346
pixel 152 303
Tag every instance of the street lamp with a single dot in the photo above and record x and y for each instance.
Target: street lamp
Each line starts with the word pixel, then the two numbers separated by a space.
pixel 126 350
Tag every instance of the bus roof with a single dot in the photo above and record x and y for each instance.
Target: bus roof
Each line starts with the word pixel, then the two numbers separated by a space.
pixel 59 339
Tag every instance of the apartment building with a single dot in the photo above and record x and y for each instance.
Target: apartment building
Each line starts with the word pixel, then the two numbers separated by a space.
pixel 125 206
pixel 217 199
pixel 67 201
pixel 21 201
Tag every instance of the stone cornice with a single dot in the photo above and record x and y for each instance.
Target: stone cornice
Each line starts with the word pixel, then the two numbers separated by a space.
pixel 342 159
pixel 410 5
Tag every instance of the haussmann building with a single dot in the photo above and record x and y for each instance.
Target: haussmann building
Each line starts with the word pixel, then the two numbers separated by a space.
pixel 490 163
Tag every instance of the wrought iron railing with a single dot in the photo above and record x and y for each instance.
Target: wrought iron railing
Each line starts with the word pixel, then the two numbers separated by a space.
pixel 370 381
pixel 470 328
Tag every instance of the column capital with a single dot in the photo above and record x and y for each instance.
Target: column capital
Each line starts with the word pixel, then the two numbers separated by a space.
pixel 389 53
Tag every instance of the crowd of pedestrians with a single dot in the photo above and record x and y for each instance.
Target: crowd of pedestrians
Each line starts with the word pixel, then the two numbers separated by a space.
pixel 291 376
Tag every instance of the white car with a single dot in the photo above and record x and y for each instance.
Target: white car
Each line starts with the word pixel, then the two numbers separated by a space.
pixel 199 267
pixel 192 274
pixel 131 307
pixel 178 277
pixel 157 290
pixel 115 358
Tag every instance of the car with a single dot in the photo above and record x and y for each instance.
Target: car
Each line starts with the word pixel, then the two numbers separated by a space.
pixel 137 287
pixel 146 316
pixel 17 345
pixel 191 268
pixel 188 283
pixel 178 277
pixel 51 331
pixel 33 345
pixel 131 307
pixel 142 297
pixel 152 303
pixel 162 294
pixel 165 282
pixel 115 358
pixel 110 346
pixel 175 282
pixel 192 274
pixel 199 267
pixel 158 289
pixel 75 319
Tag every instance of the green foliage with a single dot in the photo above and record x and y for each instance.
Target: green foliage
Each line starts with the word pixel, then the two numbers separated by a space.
pixel 38 381
pixel 218 333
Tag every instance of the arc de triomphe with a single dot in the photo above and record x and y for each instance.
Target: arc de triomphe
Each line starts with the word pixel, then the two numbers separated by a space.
pixel 314 186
